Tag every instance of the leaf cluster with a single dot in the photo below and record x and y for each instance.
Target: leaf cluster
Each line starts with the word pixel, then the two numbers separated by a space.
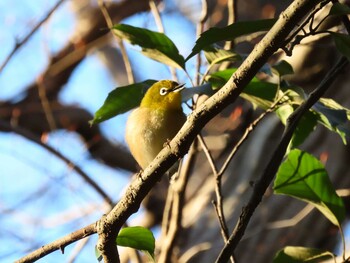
pixel 301 175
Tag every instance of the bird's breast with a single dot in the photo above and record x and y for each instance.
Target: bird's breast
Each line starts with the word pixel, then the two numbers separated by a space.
pixel 147 131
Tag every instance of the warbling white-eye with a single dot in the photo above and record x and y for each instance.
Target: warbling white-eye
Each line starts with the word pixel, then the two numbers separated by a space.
pixel 156 121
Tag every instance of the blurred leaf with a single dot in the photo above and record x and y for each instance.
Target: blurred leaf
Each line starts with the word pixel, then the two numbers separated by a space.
pixel 214 34
pixel 342 42
pixel 304 177
pixel 306 125
pixel 283 68
pixel 154 45
pixel 291 254
pixel 188 93
pixel 284 111
pixel 257 92
pixel 339 9
pixel 121 100
pixel 216 55
pixel 333 116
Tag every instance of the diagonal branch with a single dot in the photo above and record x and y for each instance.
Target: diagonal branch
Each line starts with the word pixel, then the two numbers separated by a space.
pixel 272 167
pixel 138 189
pixel 59 244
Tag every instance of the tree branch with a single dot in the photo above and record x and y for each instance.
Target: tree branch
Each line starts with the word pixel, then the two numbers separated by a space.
pixel 59 244
pixel 275 161
pixel 138 189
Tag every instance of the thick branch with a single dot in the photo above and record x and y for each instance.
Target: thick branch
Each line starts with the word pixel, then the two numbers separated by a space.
pixel 178 147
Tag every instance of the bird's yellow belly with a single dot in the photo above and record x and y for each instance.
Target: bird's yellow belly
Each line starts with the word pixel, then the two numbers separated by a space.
pixel 148 130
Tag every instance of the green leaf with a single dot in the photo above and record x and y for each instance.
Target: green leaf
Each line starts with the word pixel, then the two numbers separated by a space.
pixel 339 9
pixel 214 35
pixel 306 125
pixel 283 68
pixel 291 254
pixel 121 100
pixel 154 45
pixel 333 116
pixel 304 177
pixel 136 237
pixel 216 55
pixel 257 92
pixel 342 42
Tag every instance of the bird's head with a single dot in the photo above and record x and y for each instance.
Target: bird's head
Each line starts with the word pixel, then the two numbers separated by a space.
pixel 164 95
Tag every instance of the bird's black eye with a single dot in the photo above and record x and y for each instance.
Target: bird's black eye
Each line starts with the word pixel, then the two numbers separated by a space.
pixel 163 91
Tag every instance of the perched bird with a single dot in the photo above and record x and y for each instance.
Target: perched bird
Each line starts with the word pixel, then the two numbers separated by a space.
pixel 156 121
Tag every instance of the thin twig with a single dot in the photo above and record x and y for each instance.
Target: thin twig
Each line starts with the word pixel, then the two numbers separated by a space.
pixel 294 35
pixel 59 244
pixel 177 197
pixel 28 135
pixel 77 249
pixel 200 29
pixel 160 26
pixel 208 154
pixel 156 15
pixel 218 204
pixel 20 43
pixel 232 16
pixel 125 57
pixel 264 181
pixel 246 134
pixel 46 104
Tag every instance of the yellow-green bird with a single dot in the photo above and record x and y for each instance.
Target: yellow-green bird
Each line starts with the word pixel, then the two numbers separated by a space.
pixel 156 121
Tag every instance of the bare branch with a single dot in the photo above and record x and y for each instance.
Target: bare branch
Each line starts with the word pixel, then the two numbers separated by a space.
pixel 27 37
pixel 176 198
pixel 126 59
pixel 59 244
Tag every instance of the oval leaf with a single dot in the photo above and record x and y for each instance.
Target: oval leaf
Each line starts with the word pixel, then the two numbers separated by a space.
pixel 304 177
pixel 154 45
pixel 121 100
pixel 214 35
pixel 339 9
pixel 291 254
pixel 137 237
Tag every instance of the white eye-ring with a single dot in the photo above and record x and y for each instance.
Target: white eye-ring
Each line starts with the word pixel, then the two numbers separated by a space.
pixel 163 91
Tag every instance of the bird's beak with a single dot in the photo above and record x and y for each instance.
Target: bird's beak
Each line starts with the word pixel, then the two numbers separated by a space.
pixel 178 88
